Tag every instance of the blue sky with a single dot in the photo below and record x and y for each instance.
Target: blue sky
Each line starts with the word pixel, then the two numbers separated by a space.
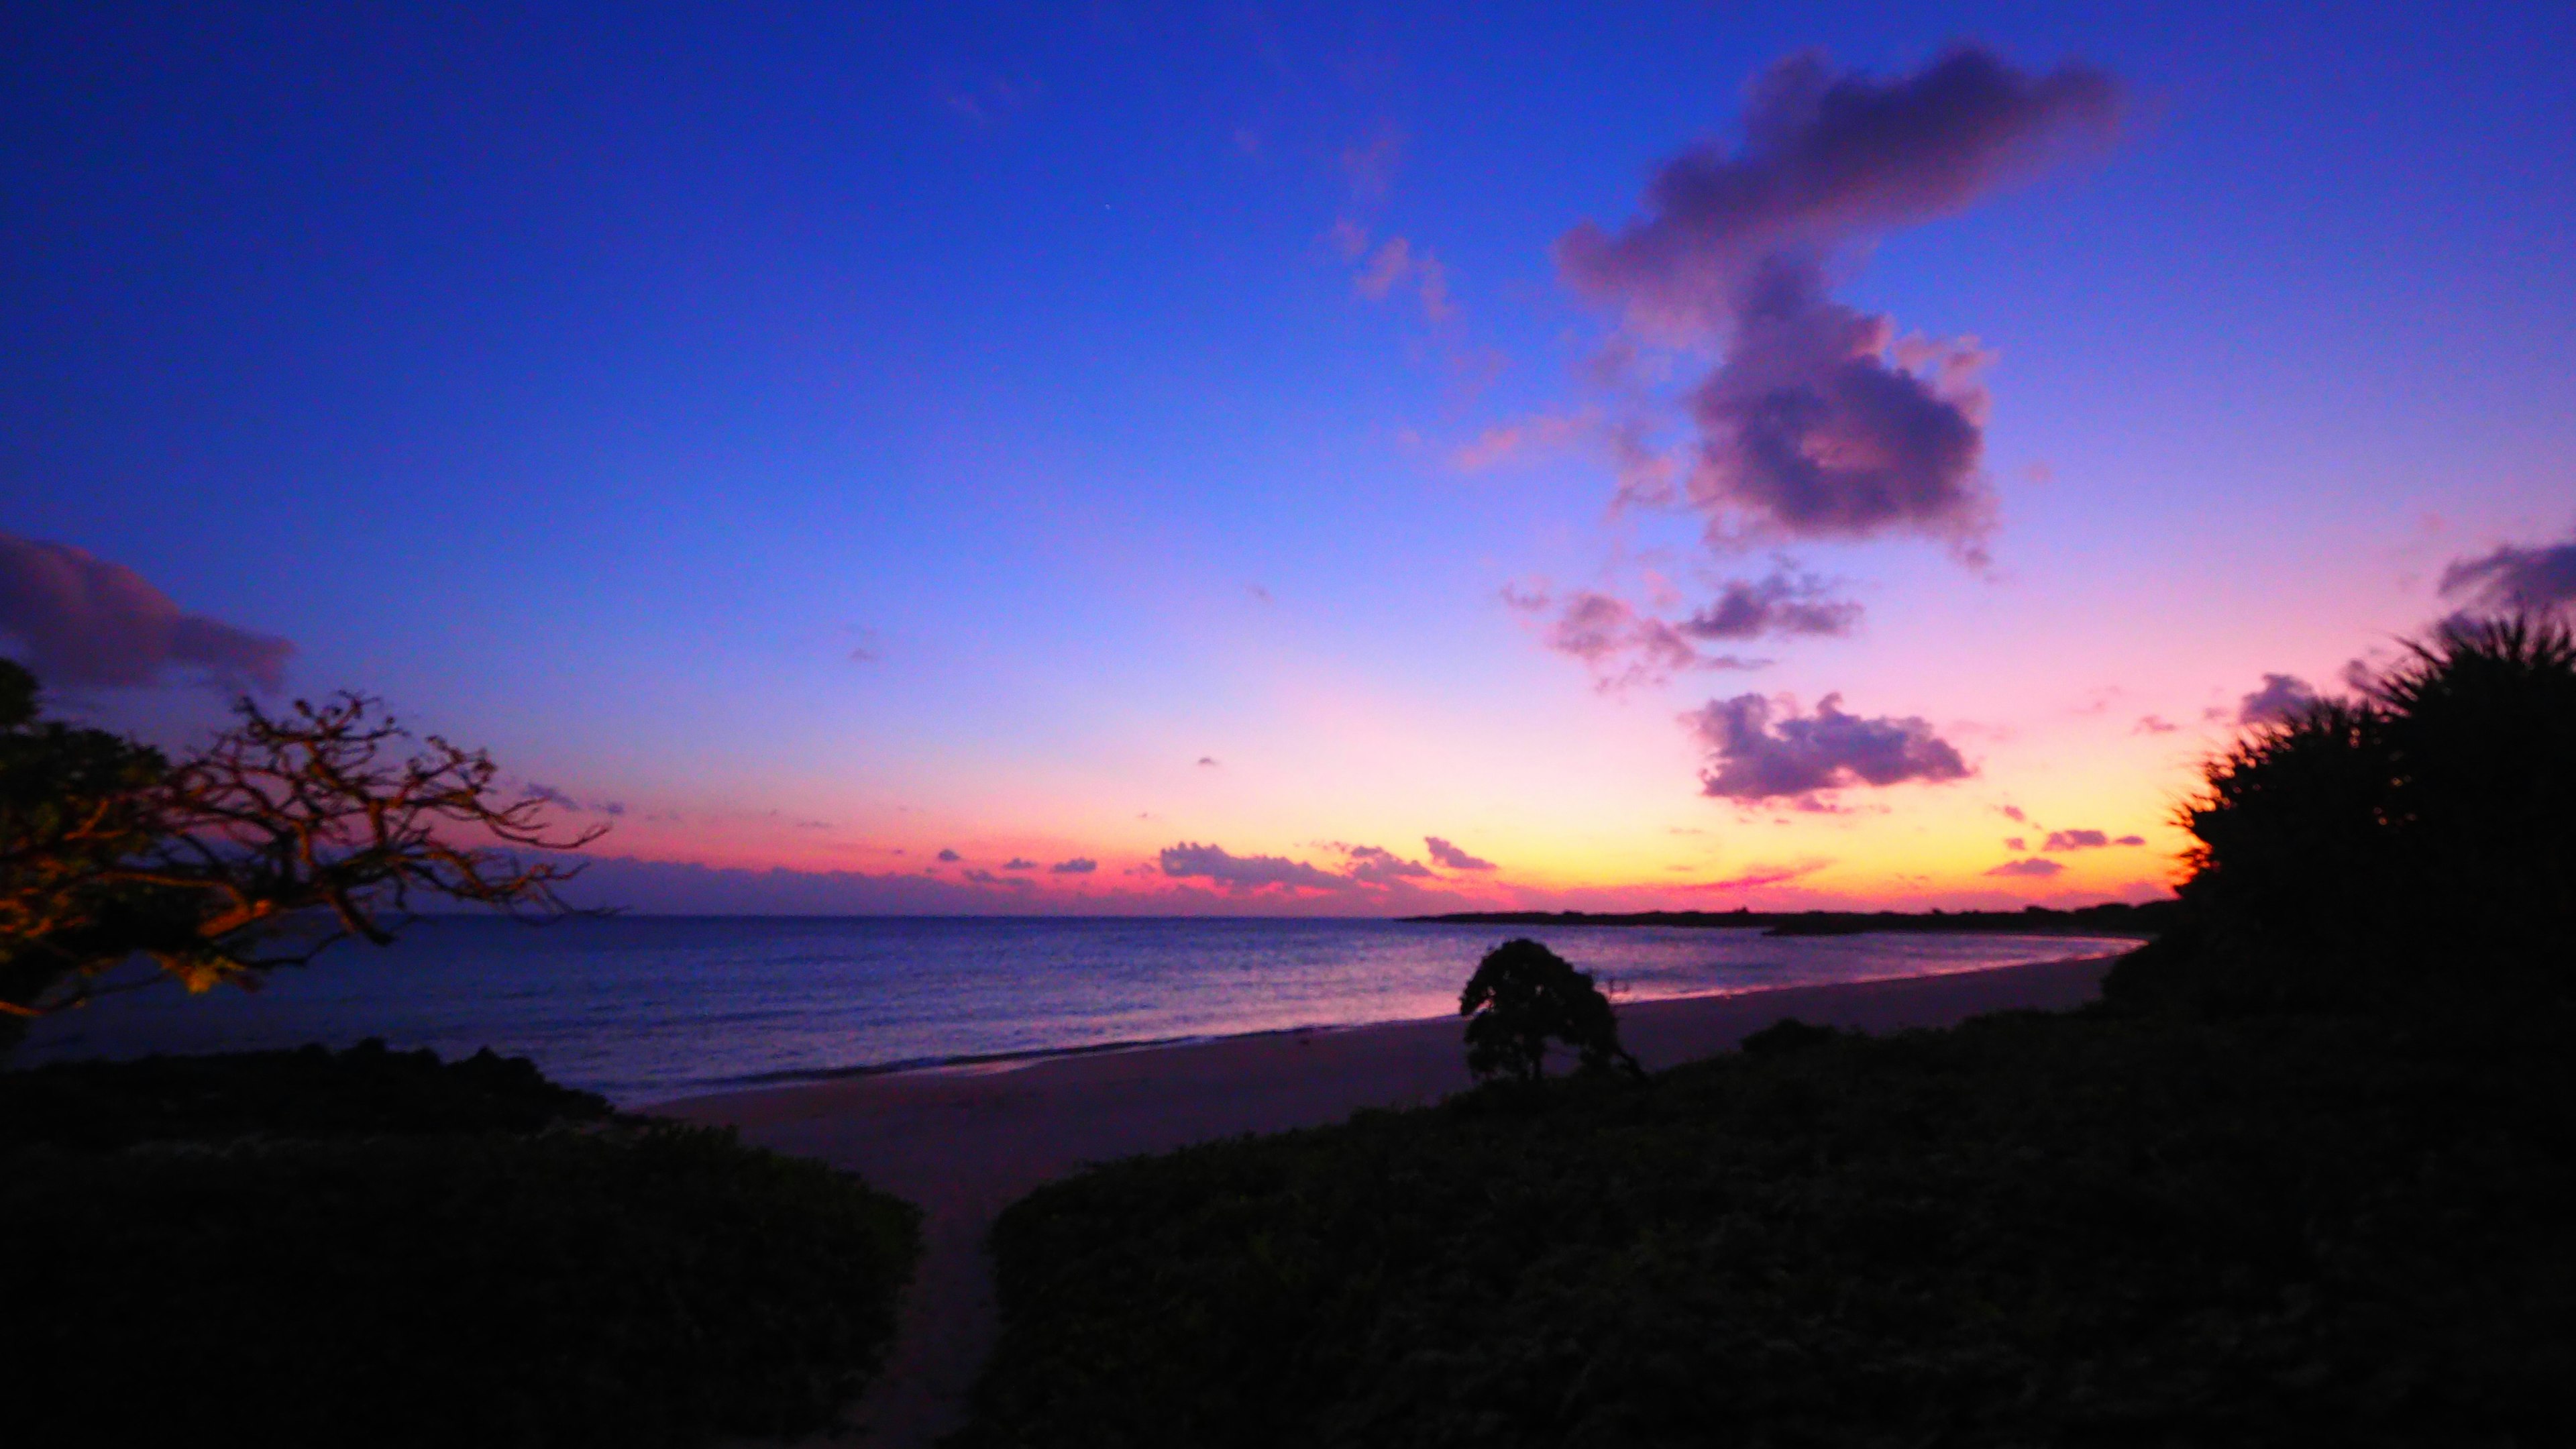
pixel 603 388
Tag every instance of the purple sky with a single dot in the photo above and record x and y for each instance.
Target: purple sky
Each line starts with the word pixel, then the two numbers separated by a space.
pixel 1111 458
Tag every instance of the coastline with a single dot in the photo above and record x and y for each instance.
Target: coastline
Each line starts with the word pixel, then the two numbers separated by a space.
pixel 964 1142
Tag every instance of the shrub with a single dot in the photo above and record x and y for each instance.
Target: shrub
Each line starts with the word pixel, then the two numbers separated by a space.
pixel 2422 837
pixel 420 1261
pixel 2107 1229
pixel 1524 996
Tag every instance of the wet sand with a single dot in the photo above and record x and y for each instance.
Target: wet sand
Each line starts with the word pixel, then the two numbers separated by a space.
pixel 965 1142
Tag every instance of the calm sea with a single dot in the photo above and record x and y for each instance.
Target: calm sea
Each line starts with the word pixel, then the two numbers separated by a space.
pixel 646 1008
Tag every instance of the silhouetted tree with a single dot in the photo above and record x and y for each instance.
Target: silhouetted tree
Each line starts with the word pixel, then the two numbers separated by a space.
pixel 1524 996
pixel 287 834
pixel 2422 834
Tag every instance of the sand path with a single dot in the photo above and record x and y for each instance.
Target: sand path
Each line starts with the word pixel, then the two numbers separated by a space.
pixel 965 1143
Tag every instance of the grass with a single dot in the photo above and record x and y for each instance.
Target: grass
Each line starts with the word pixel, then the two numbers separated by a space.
pixel 377 1248
pixel 2105 1228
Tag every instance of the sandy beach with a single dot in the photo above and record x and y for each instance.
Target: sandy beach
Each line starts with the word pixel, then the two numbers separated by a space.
pixel 963 1143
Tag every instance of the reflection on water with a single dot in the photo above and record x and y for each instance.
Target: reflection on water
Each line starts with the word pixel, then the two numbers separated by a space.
pixel 650 1007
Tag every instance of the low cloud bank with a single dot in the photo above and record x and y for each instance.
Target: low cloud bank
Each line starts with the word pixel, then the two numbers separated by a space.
pixel 82 620
pixel 2034 868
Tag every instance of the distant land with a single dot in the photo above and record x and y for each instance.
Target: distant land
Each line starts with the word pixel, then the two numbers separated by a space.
pixel 2112 918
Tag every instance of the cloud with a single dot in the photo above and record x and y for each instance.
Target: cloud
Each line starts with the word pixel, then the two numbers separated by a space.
pixel 2014 812
pixel 1827 158
pixel 1812 428
pixel 2152 724
pixel 1376 865
pixel 1394 263
pixel 1245 872
pixel 950 856
pixel 1452 857
pixel 1755 757
pixel 1208 762
pixel 1781 605
pixel 2516 580
pixel 1821 422
pixel 2016 843
pixel 2076 840
pixel 2130 840
pixel 2282 698
pixel 1371 164
pixel 85 621
pixel 1384 268
pixel 1517 440
pixel 2034 867
pixel 1079 865
pixel 1763 875
pixel 1018 863
pixel 1624 647
pixel 1006 882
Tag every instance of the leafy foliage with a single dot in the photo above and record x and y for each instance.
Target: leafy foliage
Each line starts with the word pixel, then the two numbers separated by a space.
pixel 287 834
pixel 370 1248
pixel 2420 838
pixel 2101 1229
pixel 1524 996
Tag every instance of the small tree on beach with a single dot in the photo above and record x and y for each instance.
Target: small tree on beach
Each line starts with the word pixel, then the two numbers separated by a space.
pixel 287 834
pixel 1524 996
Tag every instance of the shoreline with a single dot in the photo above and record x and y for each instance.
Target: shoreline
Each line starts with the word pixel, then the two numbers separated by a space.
pixel 791 1078
pixel 962 1144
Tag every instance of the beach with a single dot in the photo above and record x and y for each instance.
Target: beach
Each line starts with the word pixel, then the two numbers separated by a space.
pixel 964 1142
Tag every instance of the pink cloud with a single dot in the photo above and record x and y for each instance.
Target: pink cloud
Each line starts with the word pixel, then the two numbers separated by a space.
pixel 85 621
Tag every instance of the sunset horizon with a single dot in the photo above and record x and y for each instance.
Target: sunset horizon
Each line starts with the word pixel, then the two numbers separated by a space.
pixel 1380 467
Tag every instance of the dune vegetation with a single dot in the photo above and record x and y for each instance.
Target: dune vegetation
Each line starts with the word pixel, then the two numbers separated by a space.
pixel 370 1247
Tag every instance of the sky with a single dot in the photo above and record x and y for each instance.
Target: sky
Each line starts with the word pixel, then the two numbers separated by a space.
pixel 1252 459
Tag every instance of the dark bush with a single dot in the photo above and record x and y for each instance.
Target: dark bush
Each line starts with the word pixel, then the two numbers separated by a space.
pixel 2106 1229
pixel 1524 996
pixel 2421 838
pixel 1785 1036
pixel 308 1092
pixel 404 1263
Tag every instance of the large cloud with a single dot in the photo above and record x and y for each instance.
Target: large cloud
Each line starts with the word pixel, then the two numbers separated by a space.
pixel 85 621
pixel 2516 580
pixel 1826 158
pixel 1813 428
pixel 1820 422
pixel 1757 752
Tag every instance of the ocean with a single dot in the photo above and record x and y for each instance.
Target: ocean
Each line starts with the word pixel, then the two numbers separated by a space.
pixel 645 1008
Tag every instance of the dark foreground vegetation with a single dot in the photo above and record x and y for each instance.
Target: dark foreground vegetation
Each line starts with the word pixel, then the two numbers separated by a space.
pixel 2304 1177
pixel 375 1248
